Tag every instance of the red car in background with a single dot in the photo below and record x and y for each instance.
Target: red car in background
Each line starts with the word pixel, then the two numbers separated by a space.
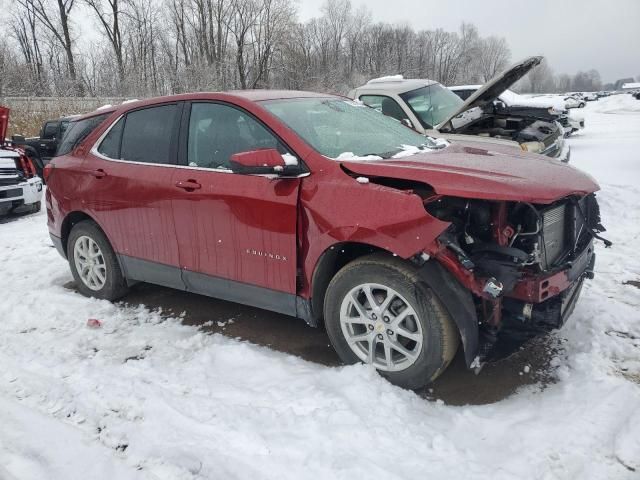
pixel 318 207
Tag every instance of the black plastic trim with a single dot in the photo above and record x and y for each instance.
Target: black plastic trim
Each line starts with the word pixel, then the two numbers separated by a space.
pixel 458 302
pixel 224 289
pixel 57 242
pixel 152 272
pixel 239 292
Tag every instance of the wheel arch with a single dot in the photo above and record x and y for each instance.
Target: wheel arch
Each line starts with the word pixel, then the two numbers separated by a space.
pixel 457 300
pixel 329 263
pixel 72 219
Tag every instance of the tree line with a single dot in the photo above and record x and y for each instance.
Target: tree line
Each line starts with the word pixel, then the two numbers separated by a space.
pixel 154 47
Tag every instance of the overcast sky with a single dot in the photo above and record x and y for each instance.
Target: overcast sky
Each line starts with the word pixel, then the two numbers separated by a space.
pixel 573 34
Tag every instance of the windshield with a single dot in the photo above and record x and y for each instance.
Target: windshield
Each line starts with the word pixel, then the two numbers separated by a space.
pixel 433 104
pixel 347 129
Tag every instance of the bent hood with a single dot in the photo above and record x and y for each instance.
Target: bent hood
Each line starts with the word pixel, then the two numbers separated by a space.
pixel 492 89
pixel 498 173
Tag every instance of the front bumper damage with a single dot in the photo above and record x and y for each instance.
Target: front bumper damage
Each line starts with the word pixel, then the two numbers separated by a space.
pixel 523 283
pixel 498 325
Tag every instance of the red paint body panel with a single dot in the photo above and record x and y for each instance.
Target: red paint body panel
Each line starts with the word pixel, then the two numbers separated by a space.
pixel 238 227
pixel 132 204
pixel 335 208
pixel 4 123
pixel 480 174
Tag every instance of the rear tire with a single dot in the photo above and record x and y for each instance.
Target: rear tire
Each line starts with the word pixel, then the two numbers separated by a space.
pixel 411 352
pixel 93 263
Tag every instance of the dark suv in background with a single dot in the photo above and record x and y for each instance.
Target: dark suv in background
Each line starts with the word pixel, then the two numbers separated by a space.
pixel 43 147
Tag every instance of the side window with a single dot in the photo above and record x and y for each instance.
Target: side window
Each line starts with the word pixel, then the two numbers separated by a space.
pixel 110 145
pixel 50 130
pixel 77 131
pixel 218 131
pixel 63 127
pixel 148 133
pixel 386 105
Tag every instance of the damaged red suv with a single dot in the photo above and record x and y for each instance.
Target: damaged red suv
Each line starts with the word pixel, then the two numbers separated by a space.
pixel 318 207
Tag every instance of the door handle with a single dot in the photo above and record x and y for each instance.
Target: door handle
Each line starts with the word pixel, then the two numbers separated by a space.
pixel 188 185
pixel 99 173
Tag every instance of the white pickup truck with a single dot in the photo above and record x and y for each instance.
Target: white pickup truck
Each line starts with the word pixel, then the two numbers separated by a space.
pixel 20 190
pixel 20 186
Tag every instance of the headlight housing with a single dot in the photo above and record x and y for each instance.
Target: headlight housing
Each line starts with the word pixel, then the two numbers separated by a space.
pixel 533 147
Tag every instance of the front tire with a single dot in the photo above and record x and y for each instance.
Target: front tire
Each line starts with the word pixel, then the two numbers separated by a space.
pixel 379 311
pixel 93 263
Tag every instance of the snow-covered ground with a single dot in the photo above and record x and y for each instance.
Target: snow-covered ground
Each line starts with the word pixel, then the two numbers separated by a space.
pixel 145 397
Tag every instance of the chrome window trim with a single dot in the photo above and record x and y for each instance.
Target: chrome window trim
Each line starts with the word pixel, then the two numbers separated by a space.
pixel 94 151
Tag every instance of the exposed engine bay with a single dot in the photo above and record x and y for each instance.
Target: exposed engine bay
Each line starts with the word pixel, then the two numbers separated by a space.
pixel 521 129
pixel 525 263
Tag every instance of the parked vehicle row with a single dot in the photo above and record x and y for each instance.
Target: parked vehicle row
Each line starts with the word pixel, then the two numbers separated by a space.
pixel 273 199
pixel 20 185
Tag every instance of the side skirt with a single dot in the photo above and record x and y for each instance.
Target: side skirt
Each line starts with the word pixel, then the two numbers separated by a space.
pixel 216 287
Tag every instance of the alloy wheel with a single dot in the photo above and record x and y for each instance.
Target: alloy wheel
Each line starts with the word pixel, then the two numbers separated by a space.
pixel 381 327
pixel 90 263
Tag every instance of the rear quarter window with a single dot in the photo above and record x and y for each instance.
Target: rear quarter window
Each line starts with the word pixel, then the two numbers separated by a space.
pixel 77 131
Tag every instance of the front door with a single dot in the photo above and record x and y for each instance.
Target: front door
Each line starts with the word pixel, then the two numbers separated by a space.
pixel 236 233
pixel 129 178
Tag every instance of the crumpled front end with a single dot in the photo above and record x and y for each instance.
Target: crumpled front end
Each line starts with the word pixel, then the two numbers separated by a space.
pixel 524 263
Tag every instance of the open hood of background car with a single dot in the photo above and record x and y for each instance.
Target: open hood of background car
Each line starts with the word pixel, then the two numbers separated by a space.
pixel 492 89
pixel 464 171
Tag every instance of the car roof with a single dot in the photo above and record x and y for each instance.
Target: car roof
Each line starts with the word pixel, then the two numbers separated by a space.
pixel 464 87
pixel 256 95
pixel 395 84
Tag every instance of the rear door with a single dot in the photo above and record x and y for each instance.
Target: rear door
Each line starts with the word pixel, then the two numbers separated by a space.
pixel 129 191
pixel 236 233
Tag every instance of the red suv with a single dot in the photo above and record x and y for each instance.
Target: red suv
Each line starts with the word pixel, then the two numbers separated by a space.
pixel 319 207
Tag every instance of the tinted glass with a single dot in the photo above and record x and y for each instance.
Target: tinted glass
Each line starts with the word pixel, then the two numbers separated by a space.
pixel 218 131
pixel 433 104
pixel 343 129
pixel 50 130
pixel 78 131
pixel 63 127
pixel 147 134
pixel 110 145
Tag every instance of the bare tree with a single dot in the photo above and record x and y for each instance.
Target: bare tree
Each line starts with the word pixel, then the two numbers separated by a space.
pixel 108 13
pixel 494 56
pixel 56 21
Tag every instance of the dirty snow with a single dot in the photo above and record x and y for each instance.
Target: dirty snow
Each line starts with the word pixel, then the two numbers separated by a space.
pixel 145 397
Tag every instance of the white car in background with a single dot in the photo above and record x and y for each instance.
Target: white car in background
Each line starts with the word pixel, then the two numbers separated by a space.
pixel 569 101
pixel 432 109
pixel 20 190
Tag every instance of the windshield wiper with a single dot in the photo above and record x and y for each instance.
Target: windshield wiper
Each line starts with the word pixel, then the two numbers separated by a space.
pixel 383 155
